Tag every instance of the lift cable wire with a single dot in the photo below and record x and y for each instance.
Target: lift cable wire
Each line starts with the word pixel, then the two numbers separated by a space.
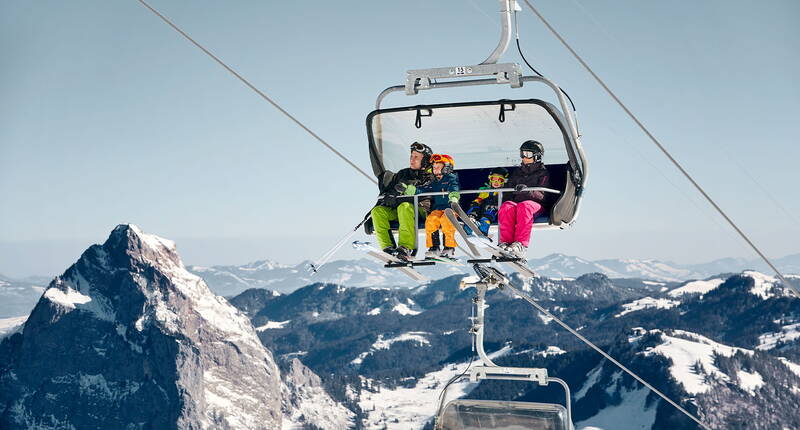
pixel 259 92
pixel 664 150
pixel 603 353
pixel 519 49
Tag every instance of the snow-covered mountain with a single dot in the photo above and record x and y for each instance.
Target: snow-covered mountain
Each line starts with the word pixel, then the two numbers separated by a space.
pixel 726 348
pixel 232 280
pixel 724 386
pixel 128 338
pixel 560 265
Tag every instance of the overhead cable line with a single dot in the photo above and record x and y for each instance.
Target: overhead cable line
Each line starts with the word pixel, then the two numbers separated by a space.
pixel 519 49
pixel 259 92
pixel 664 150
pixel 543 310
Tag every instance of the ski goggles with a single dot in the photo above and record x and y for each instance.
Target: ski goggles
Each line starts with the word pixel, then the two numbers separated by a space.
pixel 526 154
pixel 418 147
pixel 440 158
pixel 497 178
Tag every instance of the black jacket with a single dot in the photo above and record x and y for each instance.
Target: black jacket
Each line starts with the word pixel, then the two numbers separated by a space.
pixel 392 191
pixel 530 175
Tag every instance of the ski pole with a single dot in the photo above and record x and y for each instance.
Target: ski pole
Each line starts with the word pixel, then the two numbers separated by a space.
pixel 315 266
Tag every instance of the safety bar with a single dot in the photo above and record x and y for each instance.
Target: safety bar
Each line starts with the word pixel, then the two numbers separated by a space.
pixel 499 191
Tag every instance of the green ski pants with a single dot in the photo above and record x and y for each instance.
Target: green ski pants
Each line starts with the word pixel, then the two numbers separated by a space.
pixel 404 214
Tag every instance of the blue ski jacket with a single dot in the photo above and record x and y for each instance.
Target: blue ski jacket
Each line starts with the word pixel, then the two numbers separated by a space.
pixel 448 183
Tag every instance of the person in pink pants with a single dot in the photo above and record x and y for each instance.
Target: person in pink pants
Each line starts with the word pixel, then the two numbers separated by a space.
pixel 516 215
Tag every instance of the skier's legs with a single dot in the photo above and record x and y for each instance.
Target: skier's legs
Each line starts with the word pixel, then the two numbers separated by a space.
pixel 507 216
pixel 432 224
pixel 381 216
pixel 407 231
pixel 526 212
pixel 484 224
pixel 489 216
pixel 449 231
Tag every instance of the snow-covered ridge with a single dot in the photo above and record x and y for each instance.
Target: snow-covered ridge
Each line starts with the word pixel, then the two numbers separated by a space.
pixel 787 333
pixel 692 357
pixel 696 287
pixel 764 286
pixel 646 303
pixel 411 408
pixel 273 325
pixel 419 337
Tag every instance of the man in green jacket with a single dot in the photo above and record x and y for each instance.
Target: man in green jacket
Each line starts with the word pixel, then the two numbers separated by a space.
pixel 397 204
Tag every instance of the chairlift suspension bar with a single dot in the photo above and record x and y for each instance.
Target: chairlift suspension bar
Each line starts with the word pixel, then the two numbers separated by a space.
pixel 506 10
pixel 664 150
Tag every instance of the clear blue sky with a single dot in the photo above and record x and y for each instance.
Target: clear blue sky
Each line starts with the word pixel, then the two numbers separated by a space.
pixel 108 116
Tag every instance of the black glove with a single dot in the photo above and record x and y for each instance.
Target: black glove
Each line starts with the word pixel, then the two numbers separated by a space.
pixel 389 200
pixel 520 187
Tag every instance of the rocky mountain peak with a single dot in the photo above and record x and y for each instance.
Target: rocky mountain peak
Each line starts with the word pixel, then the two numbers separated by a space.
pixel 128 331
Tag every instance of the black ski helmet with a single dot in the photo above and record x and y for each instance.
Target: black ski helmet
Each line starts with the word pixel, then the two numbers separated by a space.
pixel 426 152
pixel 500 171
pixel 532 146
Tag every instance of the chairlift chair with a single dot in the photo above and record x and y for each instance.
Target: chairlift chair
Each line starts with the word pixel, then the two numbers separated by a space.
pixel 466 414
pixel 481 135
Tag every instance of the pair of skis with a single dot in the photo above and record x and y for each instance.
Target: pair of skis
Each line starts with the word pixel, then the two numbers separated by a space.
pixel 474 242
pixel 405 266
pixel 480 240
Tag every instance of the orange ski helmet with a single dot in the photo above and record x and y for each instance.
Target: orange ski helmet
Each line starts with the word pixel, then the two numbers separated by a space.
pixel 449 163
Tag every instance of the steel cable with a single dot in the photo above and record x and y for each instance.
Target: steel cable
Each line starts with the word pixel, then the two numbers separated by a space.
pixel 663 150
pixel 604 354
pixel 259 92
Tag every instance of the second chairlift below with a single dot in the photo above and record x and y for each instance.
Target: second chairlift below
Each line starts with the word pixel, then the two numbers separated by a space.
pixel 435 173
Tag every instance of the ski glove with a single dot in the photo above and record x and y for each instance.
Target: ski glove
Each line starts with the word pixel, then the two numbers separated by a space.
pixel 520 187
pixel 405 189
pixel 388 200
pixel 473 209
pixel 453 197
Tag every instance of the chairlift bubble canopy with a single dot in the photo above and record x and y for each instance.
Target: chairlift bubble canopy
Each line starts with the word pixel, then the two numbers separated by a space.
pixel 480 136
pixel 503 415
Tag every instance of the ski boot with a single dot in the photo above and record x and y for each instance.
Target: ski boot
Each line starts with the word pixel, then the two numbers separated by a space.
pixel 403 253
pixel 448 252
pixel 518 249
pixel 433 252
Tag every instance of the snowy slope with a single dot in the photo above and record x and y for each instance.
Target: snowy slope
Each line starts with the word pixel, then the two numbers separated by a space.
pixel 232 280
pixel 693 359
pixel 410 408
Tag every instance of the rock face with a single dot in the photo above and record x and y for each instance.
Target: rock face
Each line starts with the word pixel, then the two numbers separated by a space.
pixel 127 338
pixel 307 405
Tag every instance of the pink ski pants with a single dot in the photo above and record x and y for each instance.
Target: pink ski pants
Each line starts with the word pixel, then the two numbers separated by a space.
pixel 516 220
